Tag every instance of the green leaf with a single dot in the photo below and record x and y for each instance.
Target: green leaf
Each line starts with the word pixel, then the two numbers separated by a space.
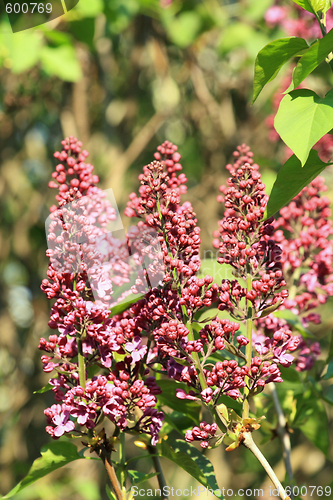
pixel 291 179
pixel 46 388
pixel 230 403
pixel 316 427
pixel 176 421
pixel 125 304
pixel 329 372
pixel 291 374
pixel 312 58
pixel 304 111
pixel 305 4
pixel 236 35
pixel 217 271
pixel 62 62
pixel 54 456
pixel 330 351
pixel 169 398
pixel 271 58
pixel 137 477
pixel 55 37
pixel 192 461
pixel 294 321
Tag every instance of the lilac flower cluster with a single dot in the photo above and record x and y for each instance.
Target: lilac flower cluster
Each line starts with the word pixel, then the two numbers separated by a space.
pixel 120 391
pixel 105 364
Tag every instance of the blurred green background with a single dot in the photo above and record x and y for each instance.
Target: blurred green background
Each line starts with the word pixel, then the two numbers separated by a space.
pixel 123 76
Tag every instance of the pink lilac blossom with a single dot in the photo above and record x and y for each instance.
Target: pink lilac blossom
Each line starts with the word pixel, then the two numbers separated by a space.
pixel 119 388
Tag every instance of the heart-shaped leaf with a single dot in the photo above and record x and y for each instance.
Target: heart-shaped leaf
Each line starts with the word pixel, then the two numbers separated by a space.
pixel 321 5
pixel 272 57
pixel 302 119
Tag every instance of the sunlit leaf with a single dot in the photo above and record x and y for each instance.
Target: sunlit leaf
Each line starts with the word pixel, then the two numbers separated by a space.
pixel 306 4
pixel 46 388
pixel 302 119
pixel 137 477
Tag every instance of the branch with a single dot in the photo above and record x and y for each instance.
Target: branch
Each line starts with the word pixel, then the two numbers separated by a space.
pixel 80 97
pixel 111 473
pixel 250 445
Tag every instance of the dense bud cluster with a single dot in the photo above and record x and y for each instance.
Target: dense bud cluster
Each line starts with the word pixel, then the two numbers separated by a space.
pixel 159 206
pixel 243 241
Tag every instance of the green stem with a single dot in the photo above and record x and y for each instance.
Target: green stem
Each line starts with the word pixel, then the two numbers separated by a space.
pixel 82 364
pixel 160 476
pixel 248 353
pixel 196 359
pixel 80 356
pixel 122 460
